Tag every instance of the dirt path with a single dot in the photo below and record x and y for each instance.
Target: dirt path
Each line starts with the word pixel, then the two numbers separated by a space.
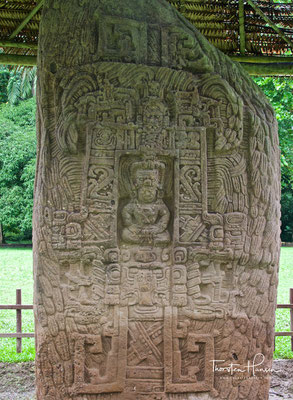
pixel 17 381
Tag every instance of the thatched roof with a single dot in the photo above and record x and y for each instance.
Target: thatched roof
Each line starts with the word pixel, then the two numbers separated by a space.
pixel 12 13
pixel 218 21
pixel 257 28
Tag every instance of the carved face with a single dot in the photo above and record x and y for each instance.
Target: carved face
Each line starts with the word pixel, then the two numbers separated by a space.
pixel 147 182
pixel 153 117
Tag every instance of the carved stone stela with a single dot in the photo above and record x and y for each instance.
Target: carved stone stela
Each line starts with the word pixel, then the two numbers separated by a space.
pixel 156 212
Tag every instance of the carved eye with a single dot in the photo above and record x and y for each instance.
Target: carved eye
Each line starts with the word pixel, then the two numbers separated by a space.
pixel 140 181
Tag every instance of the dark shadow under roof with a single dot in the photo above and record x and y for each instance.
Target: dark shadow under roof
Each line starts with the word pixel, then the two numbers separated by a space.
pixel 249 31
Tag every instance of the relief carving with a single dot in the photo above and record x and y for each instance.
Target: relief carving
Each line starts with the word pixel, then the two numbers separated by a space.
pixel 156 215
pixel 146 217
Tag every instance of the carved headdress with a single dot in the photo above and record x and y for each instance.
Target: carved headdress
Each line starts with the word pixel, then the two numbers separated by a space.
pixel 154 167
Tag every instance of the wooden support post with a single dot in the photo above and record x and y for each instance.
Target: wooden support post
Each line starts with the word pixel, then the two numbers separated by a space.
pixel 270 22
pixel 242 27
pixel 18 321
pixel 291 316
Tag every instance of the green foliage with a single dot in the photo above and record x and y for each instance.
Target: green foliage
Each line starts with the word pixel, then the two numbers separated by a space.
pixel 287 215
pixel 13 89
pixel 280 93
pixel 4 78
pixel 21 84
pixel 17 84
pixel 17 169
pixel 17 151
pixel 22 117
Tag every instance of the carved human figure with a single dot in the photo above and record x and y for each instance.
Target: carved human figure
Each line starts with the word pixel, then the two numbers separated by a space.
pixel 146 216
pixel 155 119
pixel 153 116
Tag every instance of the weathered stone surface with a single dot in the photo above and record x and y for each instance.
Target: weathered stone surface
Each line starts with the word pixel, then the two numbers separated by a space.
pixel 156 222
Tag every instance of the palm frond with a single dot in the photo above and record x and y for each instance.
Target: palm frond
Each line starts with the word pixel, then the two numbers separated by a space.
pixel 13 90
pixel 25 86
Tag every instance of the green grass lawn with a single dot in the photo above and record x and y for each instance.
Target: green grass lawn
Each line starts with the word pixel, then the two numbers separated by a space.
pixel 283 343
pixel 16 272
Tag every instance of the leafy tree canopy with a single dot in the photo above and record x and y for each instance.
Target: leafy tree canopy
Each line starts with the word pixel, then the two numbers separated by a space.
pixel 280 93
pixel 17 168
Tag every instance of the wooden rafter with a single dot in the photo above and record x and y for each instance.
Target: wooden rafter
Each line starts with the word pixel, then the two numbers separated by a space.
pixel 242 27
pixel 259 66
pixel 284 69
pixel 270 22
pixel 19 45
pixel 262 59
pixel 26 20
pixel 15 59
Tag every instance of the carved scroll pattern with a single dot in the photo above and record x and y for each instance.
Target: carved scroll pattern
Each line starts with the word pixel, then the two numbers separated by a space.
pixel 144 260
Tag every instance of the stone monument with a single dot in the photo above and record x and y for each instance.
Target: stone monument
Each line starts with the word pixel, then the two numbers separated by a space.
pixel 156 220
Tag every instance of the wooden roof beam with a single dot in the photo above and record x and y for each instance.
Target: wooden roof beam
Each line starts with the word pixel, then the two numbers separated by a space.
pixel 26 20
pixel 262 59
pixel 257 69
pixel 15 59
pixel 19 45
pixel 270 22
pixel 273 69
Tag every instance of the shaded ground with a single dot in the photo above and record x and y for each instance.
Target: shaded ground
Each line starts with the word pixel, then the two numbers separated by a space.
pixel 282 380
pixel 17 381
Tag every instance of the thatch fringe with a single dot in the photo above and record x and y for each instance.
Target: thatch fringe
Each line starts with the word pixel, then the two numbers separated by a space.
pixel 218 20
